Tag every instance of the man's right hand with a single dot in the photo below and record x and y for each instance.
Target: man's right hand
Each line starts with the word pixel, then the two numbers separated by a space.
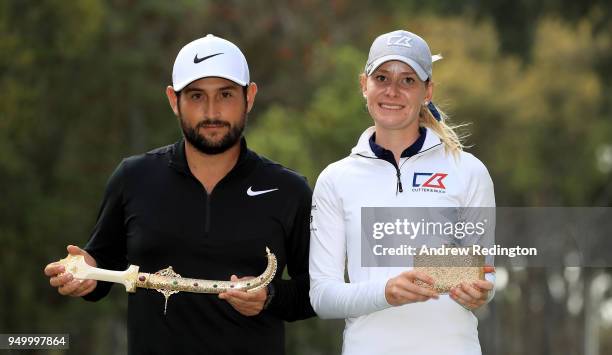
pixel 402 289
pixel 65 283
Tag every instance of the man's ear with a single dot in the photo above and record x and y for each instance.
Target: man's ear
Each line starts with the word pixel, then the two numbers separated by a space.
pixel 251 93
pixel 172 99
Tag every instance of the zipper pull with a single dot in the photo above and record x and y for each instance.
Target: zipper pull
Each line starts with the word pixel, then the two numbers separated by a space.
pixel 399 182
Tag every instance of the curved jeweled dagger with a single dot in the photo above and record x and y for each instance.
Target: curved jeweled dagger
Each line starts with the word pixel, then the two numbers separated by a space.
pixel 166 281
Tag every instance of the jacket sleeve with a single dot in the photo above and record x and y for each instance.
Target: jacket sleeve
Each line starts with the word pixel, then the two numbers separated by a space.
pixel 480 200
pixel 291 301
pixel 107 242
pixel 330 295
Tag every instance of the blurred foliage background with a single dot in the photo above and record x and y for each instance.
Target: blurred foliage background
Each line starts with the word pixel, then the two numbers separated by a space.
pixel 82 85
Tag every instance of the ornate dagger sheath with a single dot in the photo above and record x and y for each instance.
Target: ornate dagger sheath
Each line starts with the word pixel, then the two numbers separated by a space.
pixel 166 281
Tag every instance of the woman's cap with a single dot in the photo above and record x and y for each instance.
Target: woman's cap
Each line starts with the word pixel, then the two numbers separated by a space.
pixel 209 56
pixel 404 46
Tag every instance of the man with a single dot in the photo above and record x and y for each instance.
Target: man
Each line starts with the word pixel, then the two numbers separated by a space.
pixel 208 206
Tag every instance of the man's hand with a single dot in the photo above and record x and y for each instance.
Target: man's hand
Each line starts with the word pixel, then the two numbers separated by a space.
pixel 65 283
pixel 247 303
pixel 475 295
pixel 402 289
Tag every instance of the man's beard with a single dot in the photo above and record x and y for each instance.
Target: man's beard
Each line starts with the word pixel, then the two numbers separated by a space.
pixel 207 146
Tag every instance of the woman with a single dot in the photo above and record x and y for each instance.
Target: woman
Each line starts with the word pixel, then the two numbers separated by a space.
pixel 385 311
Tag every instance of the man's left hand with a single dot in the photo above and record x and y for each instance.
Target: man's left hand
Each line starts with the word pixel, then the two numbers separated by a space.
pixel 247 303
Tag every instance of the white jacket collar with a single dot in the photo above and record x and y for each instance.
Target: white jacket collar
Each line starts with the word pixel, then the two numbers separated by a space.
pixel 363 145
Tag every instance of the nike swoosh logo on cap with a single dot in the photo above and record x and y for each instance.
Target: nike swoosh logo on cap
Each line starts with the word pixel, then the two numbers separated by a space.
pixel 198 60
pixel 250 191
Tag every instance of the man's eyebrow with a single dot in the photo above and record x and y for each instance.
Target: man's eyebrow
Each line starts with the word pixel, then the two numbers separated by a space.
pixel 193 89
pixel 197 89
pixel 229 87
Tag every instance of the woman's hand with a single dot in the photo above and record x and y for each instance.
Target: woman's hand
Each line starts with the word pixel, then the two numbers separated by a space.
pixel 473 296
pixel 402 289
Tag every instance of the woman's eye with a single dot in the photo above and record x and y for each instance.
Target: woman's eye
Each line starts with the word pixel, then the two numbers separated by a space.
pixel 380 78
pixel 409 80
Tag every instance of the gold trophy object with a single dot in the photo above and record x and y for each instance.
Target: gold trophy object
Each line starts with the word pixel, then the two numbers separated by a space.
pixel 166 281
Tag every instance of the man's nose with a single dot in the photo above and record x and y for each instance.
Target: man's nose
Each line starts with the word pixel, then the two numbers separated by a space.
pixel 211 110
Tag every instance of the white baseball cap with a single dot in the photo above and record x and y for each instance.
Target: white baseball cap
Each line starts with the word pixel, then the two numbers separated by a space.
pixel 404 46
pixel 209 56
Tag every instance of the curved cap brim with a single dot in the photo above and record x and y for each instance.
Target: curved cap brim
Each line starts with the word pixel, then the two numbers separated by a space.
pixel 182 85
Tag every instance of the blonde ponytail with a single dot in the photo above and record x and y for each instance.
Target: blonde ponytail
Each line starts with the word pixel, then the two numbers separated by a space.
pixel 451 140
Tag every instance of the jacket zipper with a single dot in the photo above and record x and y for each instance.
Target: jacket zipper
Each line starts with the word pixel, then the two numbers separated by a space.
pixel 399 175
pixel 207 206
pixel 398 186
pixel 399 181
pixel 207 217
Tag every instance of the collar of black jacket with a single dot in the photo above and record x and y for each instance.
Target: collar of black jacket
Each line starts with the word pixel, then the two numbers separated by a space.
pixel 245 164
